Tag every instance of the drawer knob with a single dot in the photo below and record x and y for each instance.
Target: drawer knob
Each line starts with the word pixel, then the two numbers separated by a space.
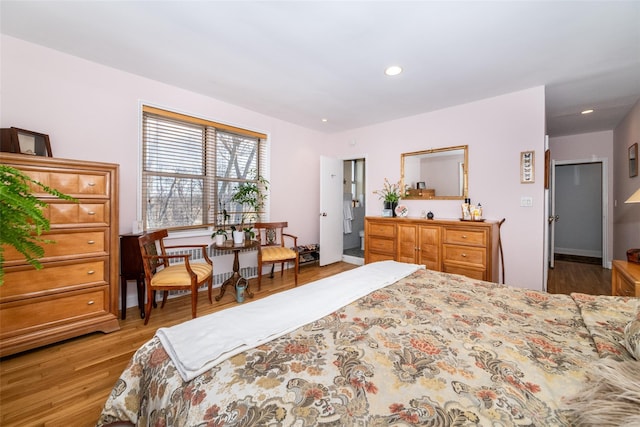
pixel 92 213
pixel 92 184
pixel 90 302
pixel 91 242
pixel 464 236
pixel 91 272
pixel 464 255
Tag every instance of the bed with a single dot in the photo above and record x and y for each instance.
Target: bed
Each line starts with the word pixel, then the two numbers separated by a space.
pixel 410 347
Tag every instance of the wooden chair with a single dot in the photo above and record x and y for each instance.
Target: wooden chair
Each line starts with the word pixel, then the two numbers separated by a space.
pixel 272 249
pixel 163 275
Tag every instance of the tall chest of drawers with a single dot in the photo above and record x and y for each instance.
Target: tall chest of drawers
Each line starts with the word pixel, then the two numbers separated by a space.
pixel 460 247
pixel 76 291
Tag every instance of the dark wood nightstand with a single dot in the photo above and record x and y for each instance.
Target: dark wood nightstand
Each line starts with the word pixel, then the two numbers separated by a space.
pixel 131 268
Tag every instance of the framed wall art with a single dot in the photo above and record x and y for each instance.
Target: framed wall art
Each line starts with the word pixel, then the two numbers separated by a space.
pixel 633 160
pixel 527 167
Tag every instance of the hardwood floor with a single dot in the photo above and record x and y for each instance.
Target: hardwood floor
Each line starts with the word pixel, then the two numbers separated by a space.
pixel 569 277
pixel 66 384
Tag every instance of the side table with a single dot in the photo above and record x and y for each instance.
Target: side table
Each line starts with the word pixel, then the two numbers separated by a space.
pixel 625 278
pixel 131 268
pixel 230 246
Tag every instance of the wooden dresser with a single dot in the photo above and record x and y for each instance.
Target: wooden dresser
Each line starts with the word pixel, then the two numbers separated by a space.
pixel 76 291
pixel 453 246
pixel 625 279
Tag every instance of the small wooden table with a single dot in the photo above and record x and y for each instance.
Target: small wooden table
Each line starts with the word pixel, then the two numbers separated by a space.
pixel 230 246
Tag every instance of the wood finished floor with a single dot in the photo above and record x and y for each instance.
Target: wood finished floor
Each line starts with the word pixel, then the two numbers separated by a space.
pixel 569 277
pixel 66 384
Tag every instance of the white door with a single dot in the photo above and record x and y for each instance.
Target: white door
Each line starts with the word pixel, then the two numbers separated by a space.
pixel 331 176
pixel 552 218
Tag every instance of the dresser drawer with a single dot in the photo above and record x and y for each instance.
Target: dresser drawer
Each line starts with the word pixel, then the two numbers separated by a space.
pixel 468 255
pixel 375 244
pixel 462 236
pixel 33 313
pixel 76 184
pixel 474 273
pixel 68 243
pixel 25 281
pixel 625 288
pixel 381 230
pixel 63 214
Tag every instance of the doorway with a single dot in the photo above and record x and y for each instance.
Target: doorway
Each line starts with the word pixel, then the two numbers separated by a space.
pixel 353 199
pixel 580 212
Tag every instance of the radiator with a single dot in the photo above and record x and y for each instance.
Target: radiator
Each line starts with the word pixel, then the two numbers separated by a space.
pixel 218 277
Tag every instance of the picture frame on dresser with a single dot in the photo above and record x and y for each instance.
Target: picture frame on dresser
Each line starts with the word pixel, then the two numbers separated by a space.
pixel 22 141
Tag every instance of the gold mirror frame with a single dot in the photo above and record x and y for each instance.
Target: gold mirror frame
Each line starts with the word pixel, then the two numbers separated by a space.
pixel 425 192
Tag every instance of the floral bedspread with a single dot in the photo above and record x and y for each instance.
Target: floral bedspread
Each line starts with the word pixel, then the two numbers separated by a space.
pixel 432 349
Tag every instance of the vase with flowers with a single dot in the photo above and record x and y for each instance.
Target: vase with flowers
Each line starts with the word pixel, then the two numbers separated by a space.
pixel 390 195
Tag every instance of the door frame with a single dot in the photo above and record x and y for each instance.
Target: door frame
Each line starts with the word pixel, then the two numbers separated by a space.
pixel 604 197
pixel 342 159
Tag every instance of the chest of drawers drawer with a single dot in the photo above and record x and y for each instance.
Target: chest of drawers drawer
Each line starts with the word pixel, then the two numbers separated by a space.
pixel 73 183
pixel 68 214
pixel 20 316
pixel 21 282
pixel 65 244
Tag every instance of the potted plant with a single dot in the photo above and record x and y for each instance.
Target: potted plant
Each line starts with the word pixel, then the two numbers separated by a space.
pixel 23 220
pixel 252 195
pixel 390 194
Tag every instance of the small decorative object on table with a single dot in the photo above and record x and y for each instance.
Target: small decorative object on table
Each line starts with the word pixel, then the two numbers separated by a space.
pixel 633 255
pixel 401 210
pixel 430 215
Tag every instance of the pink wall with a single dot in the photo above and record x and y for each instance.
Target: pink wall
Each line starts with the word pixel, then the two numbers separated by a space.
pixel 92 112
pixel 588 146
pixel 496 130
pixel 626 222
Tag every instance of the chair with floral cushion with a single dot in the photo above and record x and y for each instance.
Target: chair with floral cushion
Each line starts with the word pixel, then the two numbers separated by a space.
pixel 272 249
pixel 169 272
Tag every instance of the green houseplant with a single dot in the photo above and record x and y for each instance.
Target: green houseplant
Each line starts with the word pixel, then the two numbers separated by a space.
pixel 23 220
pixel 252 195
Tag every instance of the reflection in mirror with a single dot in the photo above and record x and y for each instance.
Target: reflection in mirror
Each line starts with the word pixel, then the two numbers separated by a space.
pixel 440 173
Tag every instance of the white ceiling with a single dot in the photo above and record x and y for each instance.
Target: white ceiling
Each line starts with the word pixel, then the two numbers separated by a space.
pixel 302 61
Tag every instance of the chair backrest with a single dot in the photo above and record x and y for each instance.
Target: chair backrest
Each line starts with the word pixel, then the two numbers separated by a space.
pixel 149 243
pixel 270 233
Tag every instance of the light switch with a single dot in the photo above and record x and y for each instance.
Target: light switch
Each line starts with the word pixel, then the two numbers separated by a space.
pixel 526 202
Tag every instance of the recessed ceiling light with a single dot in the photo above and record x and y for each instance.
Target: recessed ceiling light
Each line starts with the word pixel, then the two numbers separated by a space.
pixel 587 112
pixel 394 70
pixel 325 120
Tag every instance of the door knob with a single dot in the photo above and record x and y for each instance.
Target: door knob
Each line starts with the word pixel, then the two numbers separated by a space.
pixel 323 214
pixel 554 218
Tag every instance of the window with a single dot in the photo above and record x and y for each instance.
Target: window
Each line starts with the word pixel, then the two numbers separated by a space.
pixel 191 167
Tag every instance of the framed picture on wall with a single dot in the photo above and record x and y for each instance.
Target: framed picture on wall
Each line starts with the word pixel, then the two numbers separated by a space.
pixel 527 167
pixel 633 160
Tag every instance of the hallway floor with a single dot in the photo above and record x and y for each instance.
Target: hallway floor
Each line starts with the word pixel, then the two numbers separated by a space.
pixel 587 278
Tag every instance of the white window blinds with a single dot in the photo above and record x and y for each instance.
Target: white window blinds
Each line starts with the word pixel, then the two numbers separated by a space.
pixel 191 167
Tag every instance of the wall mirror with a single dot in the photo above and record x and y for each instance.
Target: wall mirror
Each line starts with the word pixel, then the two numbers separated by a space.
pixel 440 173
